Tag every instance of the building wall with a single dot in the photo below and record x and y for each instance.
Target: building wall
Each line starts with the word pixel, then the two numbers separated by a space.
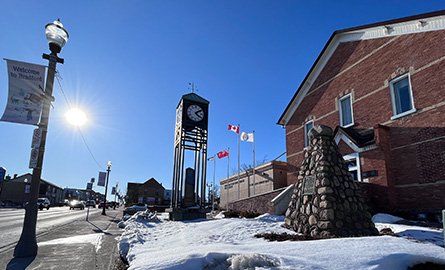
pixel 268 177
pixel 409 158
pixel 150 192
pixel 259 204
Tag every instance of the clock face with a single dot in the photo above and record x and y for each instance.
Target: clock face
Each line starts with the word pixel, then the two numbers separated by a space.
pixel 195 113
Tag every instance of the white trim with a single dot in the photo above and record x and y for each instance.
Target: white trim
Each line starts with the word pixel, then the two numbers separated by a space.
pixel 403 28
pixel 341 136
pixel 306 137
pixel 341 111
pixel 393 101
pixel 355 156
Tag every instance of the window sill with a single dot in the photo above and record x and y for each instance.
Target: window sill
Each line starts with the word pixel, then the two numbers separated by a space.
pixel 400 115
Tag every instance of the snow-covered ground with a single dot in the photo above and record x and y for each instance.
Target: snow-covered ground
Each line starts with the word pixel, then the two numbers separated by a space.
pixel 230 244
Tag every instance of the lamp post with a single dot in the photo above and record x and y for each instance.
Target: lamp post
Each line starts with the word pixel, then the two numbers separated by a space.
pixel 106 188
pixel 57 36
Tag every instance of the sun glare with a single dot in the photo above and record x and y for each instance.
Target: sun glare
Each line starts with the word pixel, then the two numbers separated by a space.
pixel 76 117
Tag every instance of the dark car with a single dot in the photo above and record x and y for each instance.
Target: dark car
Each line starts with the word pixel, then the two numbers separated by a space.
pixel 101 204
pixel 43 203
pixel 77 204
pixel 90 203
pixel 131 210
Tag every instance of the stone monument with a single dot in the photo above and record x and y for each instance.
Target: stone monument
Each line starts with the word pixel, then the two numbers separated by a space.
pixel 326 201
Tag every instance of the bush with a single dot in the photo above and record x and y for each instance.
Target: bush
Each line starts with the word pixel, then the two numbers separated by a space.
pixel 240 214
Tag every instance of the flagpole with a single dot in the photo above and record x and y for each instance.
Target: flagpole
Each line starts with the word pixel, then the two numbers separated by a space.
pixel 228 163
pixel 238 134
pixel 253 132
pixel 214 176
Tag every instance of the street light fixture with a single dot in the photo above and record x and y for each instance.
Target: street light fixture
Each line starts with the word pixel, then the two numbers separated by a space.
pixel 57 36
pixel 106 188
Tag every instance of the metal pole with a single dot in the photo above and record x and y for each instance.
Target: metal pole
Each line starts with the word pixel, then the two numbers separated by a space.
pixel 214 176
pixel 228 163
pixel 239 128
pixel 27 244
pixel 253 132
pixel 106 190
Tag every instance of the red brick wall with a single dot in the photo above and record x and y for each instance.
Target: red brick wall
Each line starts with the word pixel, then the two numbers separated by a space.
pixel 398 163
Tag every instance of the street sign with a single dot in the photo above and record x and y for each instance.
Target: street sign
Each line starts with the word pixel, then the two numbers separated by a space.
pixel 33 159
pixel 36 138
pixel 101 180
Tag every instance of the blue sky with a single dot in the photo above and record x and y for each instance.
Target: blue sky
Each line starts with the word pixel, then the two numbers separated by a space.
pixel 127 64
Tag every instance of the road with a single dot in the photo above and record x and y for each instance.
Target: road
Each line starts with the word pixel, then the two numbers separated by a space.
pixel 11 222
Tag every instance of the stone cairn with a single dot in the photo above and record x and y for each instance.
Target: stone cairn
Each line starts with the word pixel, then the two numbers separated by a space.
pixel 326 201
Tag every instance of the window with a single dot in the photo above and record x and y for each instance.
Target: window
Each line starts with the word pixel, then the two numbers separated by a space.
pixel 345 108
pixel 308 126
pixel 353 164
pixel 401 96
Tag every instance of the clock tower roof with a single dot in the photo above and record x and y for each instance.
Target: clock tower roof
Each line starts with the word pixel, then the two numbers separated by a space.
pixel 195 98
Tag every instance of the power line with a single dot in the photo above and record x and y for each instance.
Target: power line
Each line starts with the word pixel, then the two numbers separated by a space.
pixel 58 77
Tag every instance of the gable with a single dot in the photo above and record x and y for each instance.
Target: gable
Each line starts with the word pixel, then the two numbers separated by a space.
pixel 389 29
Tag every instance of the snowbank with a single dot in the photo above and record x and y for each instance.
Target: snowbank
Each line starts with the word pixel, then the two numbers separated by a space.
pixel 230 244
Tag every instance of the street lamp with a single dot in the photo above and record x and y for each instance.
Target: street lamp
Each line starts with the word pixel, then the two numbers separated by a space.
pixel 106 187
pixel 57 36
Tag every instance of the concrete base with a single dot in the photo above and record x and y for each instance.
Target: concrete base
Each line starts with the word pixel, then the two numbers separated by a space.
pixel 178 214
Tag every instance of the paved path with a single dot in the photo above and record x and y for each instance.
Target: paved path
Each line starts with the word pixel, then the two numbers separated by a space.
pixel 79 244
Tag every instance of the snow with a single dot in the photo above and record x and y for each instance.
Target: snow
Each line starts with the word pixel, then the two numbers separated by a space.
pixel 230 244
pixel 94 239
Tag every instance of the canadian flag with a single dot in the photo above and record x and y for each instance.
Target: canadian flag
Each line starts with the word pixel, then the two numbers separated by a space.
pixel 223 153
pixel 234 128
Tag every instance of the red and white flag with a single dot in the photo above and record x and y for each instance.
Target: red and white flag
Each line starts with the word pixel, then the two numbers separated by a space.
pixel 223 153
pixel 234 128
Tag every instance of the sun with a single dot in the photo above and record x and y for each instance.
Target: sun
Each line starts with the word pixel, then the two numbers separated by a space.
pixel 76 117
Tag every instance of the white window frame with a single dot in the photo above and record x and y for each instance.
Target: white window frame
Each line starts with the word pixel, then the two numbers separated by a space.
pixel 341 112
pixel 393 101
pixel 355 156
pixel 306 137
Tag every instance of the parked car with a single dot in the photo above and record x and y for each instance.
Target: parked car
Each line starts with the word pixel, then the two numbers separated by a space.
pixel 90 203
pixel 77 204
pixel 131 210
pixel 43 203
pixel 101 204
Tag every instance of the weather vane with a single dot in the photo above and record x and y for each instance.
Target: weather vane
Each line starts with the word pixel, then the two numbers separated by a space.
pixel 192 86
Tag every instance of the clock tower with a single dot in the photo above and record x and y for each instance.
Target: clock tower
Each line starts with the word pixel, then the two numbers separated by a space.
pixel 188 185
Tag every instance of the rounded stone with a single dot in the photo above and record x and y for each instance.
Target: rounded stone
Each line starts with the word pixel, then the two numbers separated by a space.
pixel 339 224
pixel 313 220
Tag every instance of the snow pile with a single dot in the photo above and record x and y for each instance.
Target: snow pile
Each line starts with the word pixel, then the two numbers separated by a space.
pixel 230 244
pixel 385 218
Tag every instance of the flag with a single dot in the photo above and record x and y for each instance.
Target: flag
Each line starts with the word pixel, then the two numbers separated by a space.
pixel 246 137
pixel 25 95
pixel 223 153
pixel 101 179
pixel 234 128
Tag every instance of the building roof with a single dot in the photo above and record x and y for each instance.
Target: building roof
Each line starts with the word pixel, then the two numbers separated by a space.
pixel 194 98
pixel 407 25
pixel 29 176
pixel 361 137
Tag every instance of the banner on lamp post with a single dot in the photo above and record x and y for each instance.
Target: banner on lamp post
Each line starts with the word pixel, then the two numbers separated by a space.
pixel 101 179
pixel 25 93
pixel 113 190
pixel 89 186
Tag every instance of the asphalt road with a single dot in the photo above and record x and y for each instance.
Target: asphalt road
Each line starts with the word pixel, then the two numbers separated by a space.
pixel 11 222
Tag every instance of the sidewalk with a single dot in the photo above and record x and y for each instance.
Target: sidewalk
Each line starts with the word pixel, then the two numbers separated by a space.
pixel 83 245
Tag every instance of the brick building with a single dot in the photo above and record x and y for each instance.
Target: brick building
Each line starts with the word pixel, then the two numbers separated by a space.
pixel 381 87
pixel 16 190
pixel 150 192
pixel 269 177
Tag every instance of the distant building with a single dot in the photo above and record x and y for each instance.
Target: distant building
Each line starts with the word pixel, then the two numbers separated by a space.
pixel 167 196
pixel 16 190
pixel 150 192
pixel 269 177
